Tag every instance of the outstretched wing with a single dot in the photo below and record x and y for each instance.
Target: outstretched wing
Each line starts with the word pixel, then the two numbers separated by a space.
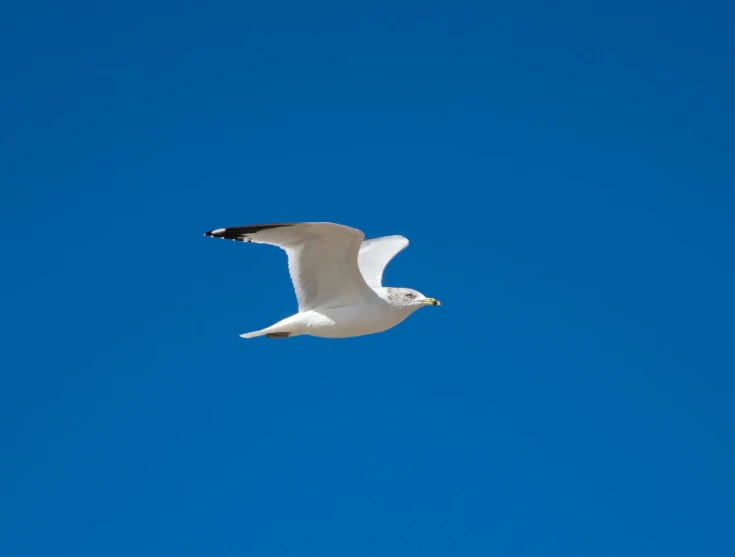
pixel 375 254
pixel 322 259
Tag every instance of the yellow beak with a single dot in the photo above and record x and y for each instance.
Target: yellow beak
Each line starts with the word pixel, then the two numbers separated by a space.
pixel 431 302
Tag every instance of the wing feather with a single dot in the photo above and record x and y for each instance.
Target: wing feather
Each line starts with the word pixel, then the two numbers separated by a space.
pixel 375 254
pixel 322 259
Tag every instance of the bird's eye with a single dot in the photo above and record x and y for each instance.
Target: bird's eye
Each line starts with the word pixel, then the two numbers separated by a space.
pixel 409 295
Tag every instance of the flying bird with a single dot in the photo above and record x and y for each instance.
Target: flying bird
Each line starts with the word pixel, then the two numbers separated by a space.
pixel 338 279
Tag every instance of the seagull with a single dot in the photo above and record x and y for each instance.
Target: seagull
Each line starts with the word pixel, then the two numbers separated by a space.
pixel 338 278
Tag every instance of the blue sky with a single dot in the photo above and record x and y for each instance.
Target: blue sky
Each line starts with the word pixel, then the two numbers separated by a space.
pixel 565 175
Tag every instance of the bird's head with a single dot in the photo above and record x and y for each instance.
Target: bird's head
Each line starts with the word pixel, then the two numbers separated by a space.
pixel 409 299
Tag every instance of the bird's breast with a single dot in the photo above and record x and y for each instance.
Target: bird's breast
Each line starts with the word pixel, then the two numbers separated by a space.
pixel 349 321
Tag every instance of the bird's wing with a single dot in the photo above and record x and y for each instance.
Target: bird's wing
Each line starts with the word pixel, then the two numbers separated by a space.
pixel 375 254
pixel 322 259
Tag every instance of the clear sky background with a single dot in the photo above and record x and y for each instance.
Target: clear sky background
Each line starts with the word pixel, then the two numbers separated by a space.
pixel 566 176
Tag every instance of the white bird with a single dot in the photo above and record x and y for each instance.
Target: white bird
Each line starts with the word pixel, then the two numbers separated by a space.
pixel 337 275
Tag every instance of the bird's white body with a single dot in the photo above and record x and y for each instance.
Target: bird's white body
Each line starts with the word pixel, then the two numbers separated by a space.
pixel 337 276
pixel 340 322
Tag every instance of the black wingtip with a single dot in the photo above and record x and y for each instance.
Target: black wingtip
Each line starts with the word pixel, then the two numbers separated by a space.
pixel 225 233
pixel 240 232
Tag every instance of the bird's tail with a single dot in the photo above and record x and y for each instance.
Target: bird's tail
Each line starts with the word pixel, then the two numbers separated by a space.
pixel 254 334
pixel 282 329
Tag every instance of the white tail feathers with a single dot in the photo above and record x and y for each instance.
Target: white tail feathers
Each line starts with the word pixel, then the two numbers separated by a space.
pixel 282 329
pixel 253 334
